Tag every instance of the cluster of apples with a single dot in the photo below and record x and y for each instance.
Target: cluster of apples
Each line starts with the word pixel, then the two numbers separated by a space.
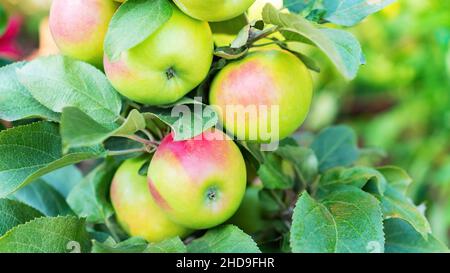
pixel 191 184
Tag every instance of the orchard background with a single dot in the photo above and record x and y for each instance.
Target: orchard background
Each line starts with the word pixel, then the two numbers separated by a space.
pixel 364 119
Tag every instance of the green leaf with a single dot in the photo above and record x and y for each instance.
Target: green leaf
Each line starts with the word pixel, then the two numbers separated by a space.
pixel 397 205
pixel 187 117
pixel 58 82
pixel 142 17
pixel 361 177
pixel 30 151
pixel 298 6
pixel 340 46
pixel 44 198
pixel 401 237
pixel 15 100
pixel 397 177
pixel 272 175
pixel 350 12
pixel 63 180
pixel 224 239
pixel 13 213
pixel 335 146
pixel 139 245
pixel 347 220
pixel 89 199
pixel 3 20
pixel 80 130
pixel 303 159
pixel 47 235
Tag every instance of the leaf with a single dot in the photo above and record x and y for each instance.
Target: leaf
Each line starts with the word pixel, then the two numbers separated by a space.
pixel 15 100
pixel 347 220
pixel 30 151
pixel 401 237
pixel 89 199
pixel 335 146
pixel 271 173
pixel 63 180
pixel 139 245
pixel 350 12
pixel 361 177
pixel 298 6
pixel 3 20
pixel 303 159
pixel 142 17
pixel 13 213
pixel 397 205
pixel 47 235
pixel 224 239
pixel 80 130
pixel 173 245
pixel 187 118
pixel 340 46
pixel 397 177
pixel 58 82
pixel 44 198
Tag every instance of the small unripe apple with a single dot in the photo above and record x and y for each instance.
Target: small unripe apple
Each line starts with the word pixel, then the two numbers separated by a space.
pixel 214 10
pixel 167 65
pixel 135 208
pixel 198 182
pixel 79 27
pixel 249 216
pixel 264 97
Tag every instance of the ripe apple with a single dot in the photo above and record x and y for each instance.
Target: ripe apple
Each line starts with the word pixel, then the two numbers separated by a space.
pixel 79 27
pixel 167 65
pixel 214 10
pixel 198 182
pixel 135 208
pixel 264 97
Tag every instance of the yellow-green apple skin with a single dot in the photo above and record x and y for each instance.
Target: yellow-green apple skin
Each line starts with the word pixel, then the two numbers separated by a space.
pixel 79 27
pixel 214 10
pixel 167 65
pixel 265 79
pixel 226 31
pixel 135 208
pixel 249 216
pixel 255 11
pixel 198 182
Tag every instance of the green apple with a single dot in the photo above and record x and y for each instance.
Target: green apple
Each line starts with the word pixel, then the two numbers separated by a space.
pixel 135 208
pixel 167 65
pixel 249 216
pixel 198 182
pixel 79 27
pixel 263 97
pixel 214 10
pixel 226 31
pixel 255 11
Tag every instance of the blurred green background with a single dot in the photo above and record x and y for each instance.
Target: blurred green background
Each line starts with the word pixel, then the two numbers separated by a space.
pixel 399 103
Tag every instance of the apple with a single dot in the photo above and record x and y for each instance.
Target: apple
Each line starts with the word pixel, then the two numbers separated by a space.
pixel 79 27
pixel 255 11
pixel 198 182
pixel 167 65
pixel 249 216
pixel 214 10
pixel 263 97
pixel 226 31
pixel 135 208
